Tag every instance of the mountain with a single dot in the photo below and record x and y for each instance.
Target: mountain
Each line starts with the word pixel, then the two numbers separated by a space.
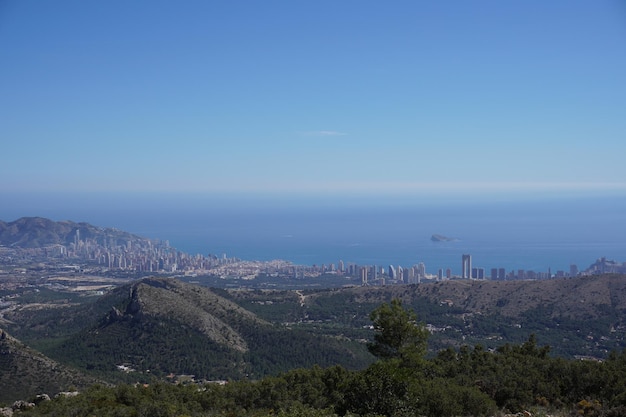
pixel 164 326
pixel 37 232
pixel 25 372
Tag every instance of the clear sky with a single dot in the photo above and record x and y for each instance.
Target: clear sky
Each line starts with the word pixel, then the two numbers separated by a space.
pixel 312 96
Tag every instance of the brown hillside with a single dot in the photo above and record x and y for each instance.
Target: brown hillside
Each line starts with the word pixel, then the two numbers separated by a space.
pixel 576 298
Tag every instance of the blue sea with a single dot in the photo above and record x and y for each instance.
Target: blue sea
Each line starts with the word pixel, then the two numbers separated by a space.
pixel 537 234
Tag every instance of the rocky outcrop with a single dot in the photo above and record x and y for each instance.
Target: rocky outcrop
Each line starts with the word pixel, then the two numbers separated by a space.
pixel 21 405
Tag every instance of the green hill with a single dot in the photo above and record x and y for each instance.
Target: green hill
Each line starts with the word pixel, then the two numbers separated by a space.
pixel 164 326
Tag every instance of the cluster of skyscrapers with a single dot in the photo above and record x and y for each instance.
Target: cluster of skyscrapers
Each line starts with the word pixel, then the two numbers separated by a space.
pixel 376 275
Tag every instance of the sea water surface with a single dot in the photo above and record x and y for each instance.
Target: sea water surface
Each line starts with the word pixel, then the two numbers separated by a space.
pixel 537 235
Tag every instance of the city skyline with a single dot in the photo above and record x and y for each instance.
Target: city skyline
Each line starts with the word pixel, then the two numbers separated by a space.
pixel 109 251
pixel 326 98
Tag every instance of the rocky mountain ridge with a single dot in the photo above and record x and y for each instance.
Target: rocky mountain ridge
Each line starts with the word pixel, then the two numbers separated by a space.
pixel 195 306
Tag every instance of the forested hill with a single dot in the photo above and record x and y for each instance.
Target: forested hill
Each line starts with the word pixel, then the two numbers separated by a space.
pixel 165 326
pixel 25 372
pixel 583 316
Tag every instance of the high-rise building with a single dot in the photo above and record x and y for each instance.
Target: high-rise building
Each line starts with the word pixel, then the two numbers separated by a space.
pixel 466 266
pixel 501 274
pixel 412 276
pixel 421 270
pixel 478 273
pixel 364 276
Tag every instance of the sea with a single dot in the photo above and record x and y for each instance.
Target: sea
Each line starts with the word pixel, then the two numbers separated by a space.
pixel 540 235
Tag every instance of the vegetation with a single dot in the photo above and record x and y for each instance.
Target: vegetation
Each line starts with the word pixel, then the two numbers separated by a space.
pixel 352 351
pixel 159 327
pixel 397 333
pixel 578 317
pixel 25 372
pixel 403 382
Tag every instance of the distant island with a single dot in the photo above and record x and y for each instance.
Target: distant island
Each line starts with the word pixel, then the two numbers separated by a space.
pixel 441 238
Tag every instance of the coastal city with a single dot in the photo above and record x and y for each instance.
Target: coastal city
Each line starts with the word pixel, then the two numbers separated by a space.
pixel 109 252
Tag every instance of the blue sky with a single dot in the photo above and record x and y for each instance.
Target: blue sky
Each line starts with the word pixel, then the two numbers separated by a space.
pixel 319 97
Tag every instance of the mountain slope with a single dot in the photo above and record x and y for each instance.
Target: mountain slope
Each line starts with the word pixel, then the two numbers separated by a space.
pixel 200 309
pixel 164 326
pixel 25 372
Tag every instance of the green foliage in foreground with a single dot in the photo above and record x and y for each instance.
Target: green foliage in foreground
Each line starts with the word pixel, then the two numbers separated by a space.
pixel 468 381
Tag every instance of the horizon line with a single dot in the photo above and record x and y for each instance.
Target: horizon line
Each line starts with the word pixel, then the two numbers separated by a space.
pixel 349 187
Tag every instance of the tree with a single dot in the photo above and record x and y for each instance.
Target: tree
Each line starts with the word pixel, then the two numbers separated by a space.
pixel 397 333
